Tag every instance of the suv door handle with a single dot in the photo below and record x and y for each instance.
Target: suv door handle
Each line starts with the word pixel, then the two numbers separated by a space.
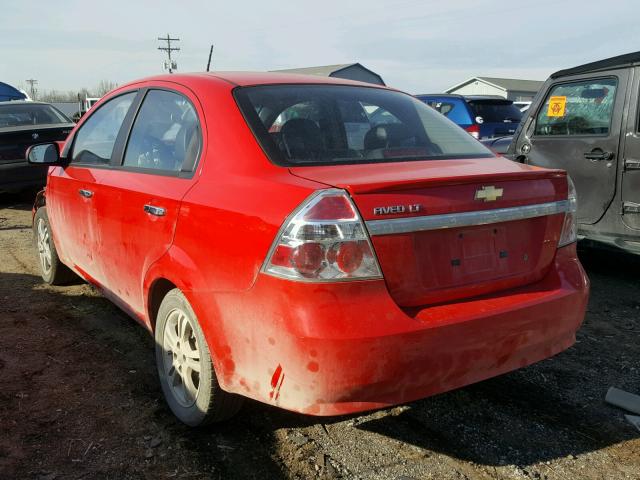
pixel 157 211
pixel 598 154
pixel 85 193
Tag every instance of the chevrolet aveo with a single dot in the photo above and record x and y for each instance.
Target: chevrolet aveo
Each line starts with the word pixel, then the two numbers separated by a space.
pixel 321 245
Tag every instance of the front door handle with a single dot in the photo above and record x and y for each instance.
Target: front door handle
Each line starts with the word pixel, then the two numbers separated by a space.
pixel 85 193
pixel 598 154
pixel 157 211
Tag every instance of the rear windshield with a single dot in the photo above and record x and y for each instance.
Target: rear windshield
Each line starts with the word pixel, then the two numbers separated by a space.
pixel 496 111
pixel 326 124
pixel 19 115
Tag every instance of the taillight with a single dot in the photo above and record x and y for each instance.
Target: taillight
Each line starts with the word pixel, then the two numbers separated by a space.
pixel 322 241
pixel 473 130
pixel 570 227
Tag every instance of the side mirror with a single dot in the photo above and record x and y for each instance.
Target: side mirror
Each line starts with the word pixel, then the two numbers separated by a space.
pixel 43 154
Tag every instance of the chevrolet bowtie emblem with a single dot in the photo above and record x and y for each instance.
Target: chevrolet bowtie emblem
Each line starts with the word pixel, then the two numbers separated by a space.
pixel 489 194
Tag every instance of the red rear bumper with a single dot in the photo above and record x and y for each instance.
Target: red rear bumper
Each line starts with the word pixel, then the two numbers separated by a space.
pixel 347 347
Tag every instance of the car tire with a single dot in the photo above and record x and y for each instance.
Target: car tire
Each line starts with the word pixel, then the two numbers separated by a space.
pixel 52 270
pixel 195 397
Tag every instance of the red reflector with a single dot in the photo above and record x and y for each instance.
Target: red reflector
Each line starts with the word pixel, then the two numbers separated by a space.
pixel 331 208
pixel 281 256
pixel 308 258
pixel 349 256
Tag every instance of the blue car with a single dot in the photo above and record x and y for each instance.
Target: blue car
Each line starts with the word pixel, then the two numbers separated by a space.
pixel 7 93
pixel 483 116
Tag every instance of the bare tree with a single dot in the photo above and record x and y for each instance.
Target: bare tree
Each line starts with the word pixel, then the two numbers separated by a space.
pixel 104 87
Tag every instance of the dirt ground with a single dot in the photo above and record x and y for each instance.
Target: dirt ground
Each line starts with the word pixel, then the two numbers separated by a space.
pixel 79 398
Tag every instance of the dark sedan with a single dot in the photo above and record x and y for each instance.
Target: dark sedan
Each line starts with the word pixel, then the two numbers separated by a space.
pixel 22 124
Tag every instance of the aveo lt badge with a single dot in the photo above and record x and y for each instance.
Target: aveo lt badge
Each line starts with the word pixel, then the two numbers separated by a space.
pixel 393 209
pixel 489 193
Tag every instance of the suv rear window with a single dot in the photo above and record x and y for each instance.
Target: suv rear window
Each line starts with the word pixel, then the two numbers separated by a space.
pixel 496 111
pixel 326 124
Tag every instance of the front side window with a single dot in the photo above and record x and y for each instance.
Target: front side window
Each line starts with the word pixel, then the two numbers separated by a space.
pixel 578 108
pixel 96 138
pixel 325 124
pixel 166 134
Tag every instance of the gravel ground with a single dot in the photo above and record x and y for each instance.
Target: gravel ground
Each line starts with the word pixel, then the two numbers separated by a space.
pixel 79 398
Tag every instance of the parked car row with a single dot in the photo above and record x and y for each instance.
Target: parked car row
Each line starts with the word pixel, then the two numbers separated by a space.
pixel 330 247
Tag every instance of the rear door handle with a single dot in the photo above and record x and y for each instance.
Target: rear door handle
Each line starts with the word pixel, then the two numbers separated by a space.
pixel 157 211
pixel 598 154
pixel 85 193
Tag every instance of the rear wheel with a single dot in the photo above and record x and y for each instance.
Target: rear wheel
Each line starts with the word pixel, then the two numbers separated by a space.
pixel 185 368
pixel 52 270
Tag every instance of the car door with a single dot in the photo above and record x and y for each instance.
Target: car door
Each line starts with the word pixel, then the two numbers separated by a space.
pixel 71 189
pixel 140 199
pixel 577 128
pixel 630 193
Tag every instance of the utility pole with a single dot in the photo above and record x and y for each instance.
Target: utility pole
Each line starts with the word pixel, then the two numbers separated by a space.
pixel 170 65
pixel 32 86
pixel 209 62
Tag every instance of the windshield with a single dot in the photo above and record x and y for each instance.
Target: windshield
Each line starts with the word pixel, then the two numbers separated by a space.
pixel 496 111
pixel 325 124
pixel 19 115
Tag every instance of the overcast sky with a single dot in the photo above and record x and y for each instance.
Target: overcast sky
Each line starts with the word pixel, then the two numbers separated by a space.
pixel 417 46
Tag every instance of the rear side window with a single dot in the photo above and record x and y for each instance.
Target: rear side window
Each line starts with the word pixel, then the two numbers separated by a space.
pixel 325 124
pixel 165 135
pixel 453 108
pixel 578 108
pixel 96 137
pixel 495 111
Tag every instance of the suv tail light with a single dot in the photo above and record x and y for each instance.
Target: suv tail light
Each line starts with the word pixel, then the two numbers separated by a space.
pixel 473 130
pixel 570 227
pixel 324 240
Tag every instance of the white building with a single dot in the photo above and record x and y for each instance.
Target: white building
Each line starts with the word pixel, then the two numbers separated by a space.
pixel 509 88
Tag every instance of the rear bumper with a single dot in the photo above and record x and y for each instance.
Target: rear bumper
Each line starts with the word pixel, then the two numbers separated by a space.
pixel 19 174
pixel 343 348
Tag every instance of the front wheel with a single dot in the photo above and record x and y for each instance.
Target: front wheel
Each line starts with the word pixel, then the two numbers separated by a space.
pixel 185 369
pixel 52 270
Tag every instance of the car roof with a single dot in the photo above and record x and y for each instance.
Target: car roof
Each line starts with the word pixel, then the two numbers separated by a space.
pixel 439 95
pixel 487 97
pixel 464 97
pixel 620 61
pixel 245 79
pixel 22 102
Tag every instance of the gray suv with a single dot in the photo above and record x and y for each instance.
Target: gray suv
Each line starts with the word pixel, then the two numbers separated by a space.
pixel 586 120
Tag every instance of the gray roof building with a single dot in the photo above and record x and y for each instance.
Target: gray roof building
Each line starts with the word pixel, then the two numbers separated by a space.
pixel 349 71
pixel 511 88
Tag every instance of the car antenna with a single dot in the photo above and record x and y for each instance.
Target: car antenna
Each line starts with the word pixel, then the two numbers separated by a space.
pixel 209 62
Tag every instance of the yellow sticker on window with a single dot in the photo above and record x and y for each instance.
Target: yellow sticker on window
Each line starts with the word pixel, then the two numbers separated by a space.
pixel 556 106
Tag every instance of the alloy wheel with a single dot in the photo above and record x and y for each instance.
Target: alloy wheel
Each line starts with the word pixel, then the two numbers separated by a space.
pixel 181 360
pixel 44 247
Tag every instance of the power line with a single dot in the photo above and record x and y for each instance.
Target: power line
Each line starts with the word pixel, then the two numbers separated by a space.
pixel 32 87
pixel 171 64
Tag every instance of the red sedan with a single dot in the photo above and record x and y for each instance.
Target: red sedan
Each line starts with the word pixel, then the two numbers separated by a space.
pixel 320 245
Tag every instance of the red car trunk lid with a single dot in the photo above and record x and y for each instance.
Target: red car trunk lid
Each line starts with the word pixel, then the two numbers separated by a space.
pixel 445 230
